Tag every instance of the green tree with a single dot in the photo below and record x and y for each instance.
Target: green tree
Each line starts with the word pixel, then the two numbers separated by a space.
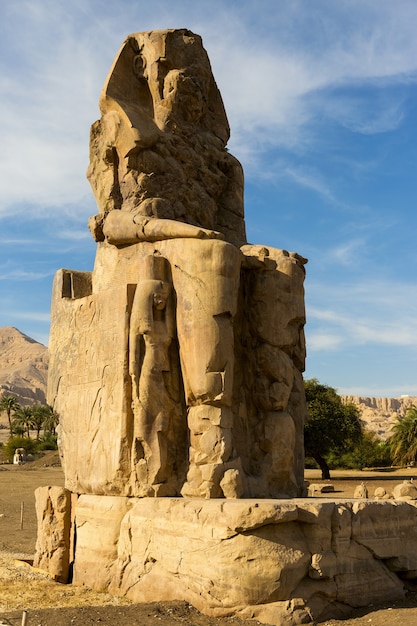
pixel 23 419
pixel 9 405
pixel 332 427
pixel 403 442
pixel 369 452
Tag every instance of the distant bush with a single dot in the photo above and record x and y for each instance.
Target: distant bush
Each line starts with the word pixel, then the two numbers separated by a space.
pixel 310 463
pixel 31 446
pixel 47 442
pixel 369 452
pixel 18 442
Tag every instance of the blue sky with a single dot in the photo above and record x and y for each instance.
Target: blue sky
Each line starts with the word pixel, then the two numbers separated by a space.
pixel 321 100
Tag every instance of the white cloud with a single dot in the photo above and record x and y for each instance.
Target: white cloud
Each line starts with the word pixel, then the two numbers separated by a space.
pixel 17 241
pixel 378 313
pixel 355 113
pixel 347 253
pixel 75 234
pixel 35 317
pixel 311 180
pixel 23 275
pixel 321 340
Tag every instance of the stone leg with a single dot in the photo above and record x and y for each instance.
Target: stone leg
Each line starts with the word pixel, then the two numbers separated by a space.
pixel 206 280
pixel 210 450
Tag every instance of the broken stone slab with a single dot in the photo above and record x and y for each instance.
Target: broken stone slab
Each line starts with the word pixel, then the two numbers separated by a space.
pixel 53 544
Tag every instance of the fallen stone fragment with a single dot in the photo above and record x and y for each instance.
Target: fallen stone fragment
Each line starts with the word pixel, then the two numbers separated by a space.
pixel 320 488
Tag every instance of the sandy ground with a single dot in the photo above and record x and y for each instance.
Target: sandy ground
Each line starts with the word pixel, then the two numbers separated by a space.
pixel 51 604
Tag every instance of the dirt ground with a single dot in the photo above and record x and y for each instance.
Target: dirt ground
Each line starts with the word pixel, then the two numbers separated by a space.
pixel 51 604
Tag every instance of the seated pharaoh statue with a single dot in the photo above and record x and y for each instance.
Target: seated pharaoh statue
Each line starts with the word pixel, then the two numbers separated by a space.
pixel 176 365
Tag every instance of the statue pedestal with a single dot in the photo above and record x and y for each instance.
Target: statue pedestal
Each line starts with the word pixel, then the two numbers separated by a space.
pixel 276 561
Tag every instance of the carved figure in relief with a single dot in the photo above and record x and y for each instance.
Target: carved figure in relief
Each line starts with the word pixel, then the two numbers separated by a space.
pixel 150 334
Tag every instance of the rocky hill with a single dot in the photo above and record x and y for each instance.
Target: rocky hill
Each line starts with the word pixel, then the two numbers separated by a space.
pixel 380 414
pixel 23 367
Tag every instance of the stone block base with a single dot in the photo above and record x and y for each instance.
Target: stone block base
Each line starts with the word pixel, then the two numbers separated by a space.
pixel 276 561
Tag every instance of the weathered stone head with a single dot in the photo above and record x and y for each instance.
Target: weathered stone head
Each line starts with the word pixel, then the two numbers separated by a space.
pixel 159 148
pixel 166 74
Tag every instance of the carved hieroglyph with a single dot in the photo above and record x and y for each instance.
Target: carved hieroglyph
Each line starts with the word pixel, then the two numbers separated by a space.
pixel 176 365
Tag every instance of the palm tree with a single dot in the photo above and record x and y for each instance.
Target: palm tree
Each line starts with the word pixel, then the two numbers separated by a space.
pixel 23 418
pixel 18 429
pixel 39 412
pixel 51 419
pixel 403 442
pixel 10 405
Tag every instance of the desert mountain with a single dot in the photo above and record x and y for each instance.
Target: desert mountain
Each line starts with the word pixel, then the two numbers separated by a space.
pixel 23 367
pixel 380 414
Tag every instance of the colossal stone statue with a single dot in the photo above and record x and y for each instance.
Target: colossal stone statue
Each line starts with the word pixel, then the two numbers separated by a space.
pixel 176 370
pixel 176 365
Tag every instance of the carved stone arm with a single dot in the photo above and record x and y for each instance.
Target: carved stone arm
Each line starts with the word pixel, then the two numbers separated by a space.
pixel 121 228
